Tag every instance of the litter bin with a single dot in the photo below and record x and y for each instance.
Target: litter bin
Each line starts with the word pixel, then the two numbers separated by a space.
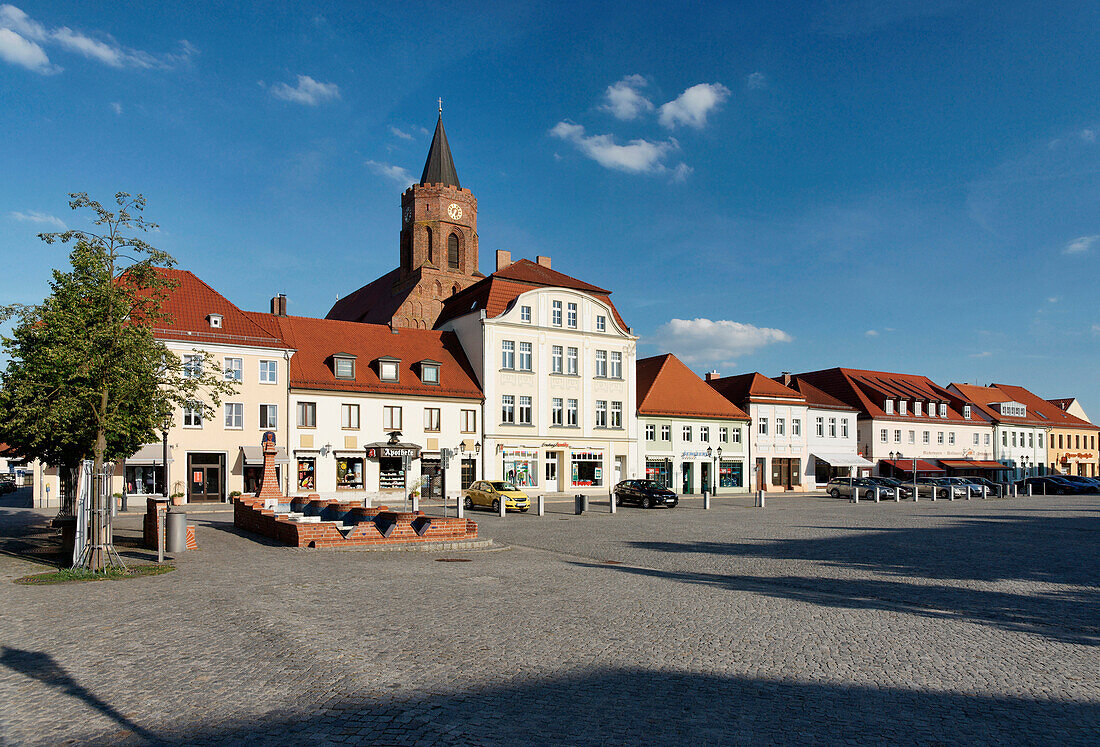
pixel 175 530
pixel 580 504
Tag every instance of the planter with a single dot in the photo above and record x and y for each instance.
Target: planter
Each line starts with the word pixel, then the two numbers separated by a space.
pixel 178 500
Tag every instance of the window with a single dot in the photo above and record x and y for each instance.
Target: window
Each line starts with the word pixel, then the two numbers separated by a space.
pixel 1040 440
pixel 616 414
pixel 556 313
pixel 943 410
pixel 939 437
pixel 844 430
pixel 601 413
pixel 343 367
pixel 507 408
pixel 1031 440
pixel 916 408
pixel 650 432
pixel 976 439
pixel 269 372
pixel 796 427
pixel 884 435
pixel 388 369
pixel 349 473
pixel 192 366
pixel 704 434
pixel 1014 438
pixel 525 314
pixel 780 426
pixel 307 414
pixel 666 432
pixel 571 316
pixel 571 412
pixel 391 418
pixel 429 373
pixel 349 417
pixel 525 356
pixel 966 411
pixel 925 437
pixel 431 419
pixel 234 369
pixel 556 359
pixel 507 354
pixel 616 365
pixel 931 410
pixel 762 427
pixel 557 411
pixel 737 435
pixel 601 364
pixel 912 437
pixel 832 427
pixel 897 436
pixel 724 435
pixel 1078 439
pixel 468 421
pixel 452 251
pixel 951 437
pixel 571 358
pixel 889 407
pixel 269 416
pixel 1004 438
pixel 819 427
pixel 601 323
pixel 687 433
pixel 234 415
pixel 903 407
pixel 192 414
pixel 524 410
pixel 1060 446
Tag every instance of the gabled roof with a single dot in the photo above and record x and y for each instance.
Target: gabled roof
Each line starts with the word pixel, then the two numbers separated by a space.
pixel 1053 414
pixel 190 303
pixel 755 387
pixel 667 387
pixel 317 340
pixel 815 397
pixel 1063 403
pixel 867 391
pixel 984 397
pixel 439 168
pixel 495 293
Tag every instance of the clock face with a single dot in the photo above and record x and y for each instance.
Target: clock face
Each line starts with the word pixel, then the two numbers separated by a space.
pixel 408 213
pixel 454 211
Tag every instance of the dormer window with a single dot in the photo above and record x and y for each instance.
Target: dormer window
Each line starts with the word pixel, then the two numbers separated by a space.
pixel 916 408
pixel 215 320
pixel 429 372
pixel 889 407
pixel 903 407
pixel 931 409
pixel 389 368
pixel 343 365
pixel 966 411
pixel 943 410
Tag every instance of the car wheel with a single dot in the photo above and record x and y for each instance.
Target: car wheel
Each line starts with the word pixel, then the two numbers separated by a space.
pixel 647 502
pixel 869 495
pixel 618 500
pixel 496 506
pixel 468 503
pixel 834 493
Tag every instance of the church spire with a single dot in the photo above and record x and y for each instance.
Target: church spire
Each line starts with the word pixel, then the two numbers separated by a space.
pixel 440 167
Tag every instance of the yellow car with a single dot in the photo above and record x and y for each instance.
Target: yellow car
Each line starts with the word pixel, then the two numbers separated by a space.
pixel 490 494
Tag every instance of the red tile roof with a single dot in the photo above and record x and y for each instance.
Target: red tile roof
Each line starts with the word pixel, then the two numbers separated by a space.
pixel 867 391
pixel 1053 414
pixel 495 293
pixel 190 303
pixel 316 340
pixel 667 387
pixel 817 398
pixel 984 397
pixel 1062 402
pixel 374 302
pixel 755 387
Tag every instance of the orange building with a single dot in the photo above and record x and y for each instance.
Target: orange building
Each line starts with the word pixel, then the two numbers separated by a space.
pixel 1071 444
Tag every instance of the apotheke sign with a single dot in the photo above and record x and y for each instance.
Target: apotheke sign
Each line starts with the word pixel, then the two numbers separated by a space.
pixel 392 452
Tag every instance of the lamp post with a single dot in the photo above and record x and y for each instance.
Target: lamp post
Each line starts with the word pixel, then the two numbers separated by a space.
pixel 710 458
pixel 718 469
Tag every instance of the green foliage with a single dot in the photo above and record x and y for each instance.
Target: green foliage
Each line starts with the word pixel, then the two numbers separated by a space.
pixel 111 573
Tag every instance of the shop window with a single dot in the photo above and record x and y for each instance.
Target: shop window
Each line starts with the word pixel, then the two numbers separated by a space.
pixel 307 414
pixel 521 467
pixel 145 480
pixel 307 472
pixel 731 475
pixel 269 372
pixel 557 411
pixel 391 474
pixel 650 432
pixel 659 472
pixel 349 473
pixel 349 417
pixel 556 355
pixel 432 419
pixel 587 469
pixel 571 412
pixel 234 416
pixel 391 418
pixel 234 369
pixel 269 417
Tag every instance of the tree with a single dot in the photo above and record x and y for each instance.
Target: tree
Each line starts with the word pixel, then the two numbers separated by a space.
pixel 86 377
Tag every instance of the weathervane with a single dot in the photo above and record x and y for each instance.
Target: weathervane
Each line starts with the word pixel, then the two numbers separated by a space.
pixel 440 106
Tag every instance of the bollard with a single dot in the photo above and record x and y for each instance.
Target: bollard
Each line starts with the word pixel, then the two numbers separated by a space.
pixel 1029 490
pixel 542 505
pixel 459 509
pixel 706 500
pixel 760 499
pixel 503 507
pixel 855 495
pixel 877 497
pixel 611 500
pixel 175 530
pixel 985 489
pixel 578 505
pixel 160 535
pixel 416 503
pixel 933 493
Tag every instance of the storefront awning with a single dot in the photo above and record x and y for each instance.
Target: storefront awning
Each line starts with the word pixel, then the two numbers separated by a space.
pixel 971 464
pixel 254 456
pixel 906 465
pixel 844 460
pixel 150 454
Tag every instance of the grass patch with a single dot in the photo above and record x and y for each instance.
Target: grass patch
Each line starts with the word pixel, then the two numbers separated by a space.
pixel 72 575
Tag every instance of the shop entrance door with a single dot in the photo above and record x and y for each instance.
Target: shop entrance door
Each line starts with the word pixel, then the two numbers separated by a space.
pixel 704 478
pixel 688 481
pixel 204 472
pixel 552 483
pixel 431 486
pixel 468 473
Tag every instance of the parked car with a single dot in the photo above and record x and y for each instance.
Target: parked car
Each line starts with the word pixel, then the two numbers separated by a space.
pixel 942 488
pixel 7 484
pixel 1082 484
pixel 904 489
pixel 490 493
pixel 863 486
pixel 1047 485
pixel 989 484
pixel 645 493
pixel 974 488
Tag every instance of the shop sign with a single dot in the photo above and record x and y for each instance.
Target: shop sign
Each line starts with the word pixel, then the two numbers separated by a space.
pixel 555 446
pixel 694 455
pixel 392 452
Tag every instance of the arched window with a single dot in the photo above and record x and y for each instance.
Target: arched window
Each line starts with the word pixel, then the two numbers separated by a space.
pixel 431 251
pixel 452 251
pixel 454 289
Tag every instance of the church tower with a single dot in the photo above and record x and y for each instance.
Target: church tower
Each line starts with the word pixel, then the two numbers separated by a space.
pixel 438 249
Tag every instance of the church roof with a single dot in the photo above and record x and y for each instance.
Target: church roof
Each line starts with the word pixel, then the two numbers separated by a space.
pixel 375 302
pixel 440 167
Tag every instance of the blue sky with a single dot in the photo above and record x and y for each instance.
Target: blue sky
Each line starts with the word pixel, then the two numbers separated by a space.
pixel 891 185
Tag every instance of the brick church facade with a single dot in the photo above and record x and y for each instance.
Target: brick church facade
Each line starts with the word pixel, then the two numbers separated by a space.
pixel 438 249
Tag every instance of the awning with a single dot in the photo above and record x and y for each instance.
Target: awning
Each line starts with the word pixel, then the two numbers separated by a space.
pixel 906 465
pixel 844 460
pixel 150 454
pixel 254 456
pixel 971 464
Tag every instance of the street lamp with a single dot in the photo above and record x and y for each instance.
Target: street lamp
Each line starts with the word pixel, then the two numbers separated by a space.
pixel 710 455
pixel 718 469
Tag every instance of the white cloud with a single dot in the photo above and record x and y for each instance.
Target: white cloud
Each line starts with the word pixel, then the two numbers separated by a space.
pixel 20 37
pixel 693 105
pixel 1081 244
pixel 1089 136
pixel 1054 299
pixel 983 354
pixel 702 341
pixel 624 100
pixel 400 133
pixel 34 216
pixel 308 91
pixel 756 81
pixel 871 333
pixel 116 108
pixel 635 157
pixel 397 173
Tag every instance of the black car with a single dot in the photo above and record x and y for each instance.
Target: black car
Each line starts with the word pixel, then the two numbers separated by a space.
pixel 645 493
pixel 1082 484
pixel 1049 485
pixel 7 484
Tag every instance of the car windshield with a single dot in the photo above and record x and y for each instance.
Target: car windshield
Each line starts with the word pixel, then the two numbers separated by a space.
pixel 503 486
pixel 650 484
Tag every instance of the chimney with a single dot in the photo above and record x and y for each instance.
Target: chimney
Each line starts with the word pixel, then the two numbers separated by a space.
pixel 278 305
pixel 504 258
pixel 544 261
pixel 786 378
pixel 712 375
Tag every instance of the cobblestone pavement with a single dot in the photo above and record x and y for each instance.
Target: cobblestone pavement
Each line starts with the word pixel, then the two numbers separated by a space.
pixel 812 620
